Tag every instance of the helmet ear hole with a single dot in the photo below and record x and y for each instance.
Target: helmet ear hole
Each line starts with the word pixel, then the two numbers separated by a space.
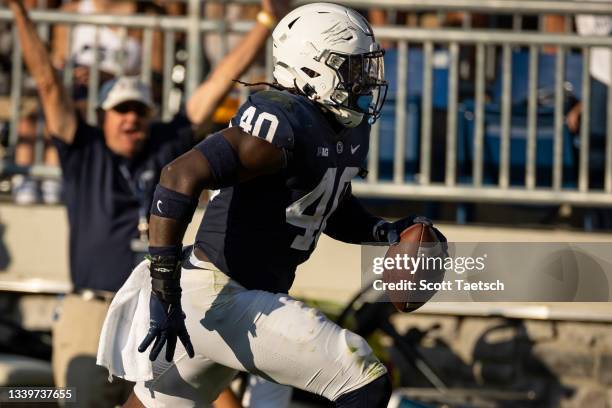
pixel 309 90
pixel 310 72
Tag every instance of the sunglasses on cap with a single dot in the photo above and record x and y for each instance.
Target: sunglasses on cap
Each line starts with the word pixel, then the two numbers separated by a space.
pixel 138 108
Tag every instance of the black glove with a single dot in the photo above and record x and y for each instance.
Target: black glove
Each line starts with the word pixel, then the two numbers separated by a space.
pixel 389 232
pixel 167 320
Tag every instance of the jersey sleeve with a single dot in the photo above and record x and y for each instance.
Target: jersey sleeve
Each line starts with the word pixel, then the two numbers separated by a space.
pixel 87 139
pixel 267 115
pixel 351 223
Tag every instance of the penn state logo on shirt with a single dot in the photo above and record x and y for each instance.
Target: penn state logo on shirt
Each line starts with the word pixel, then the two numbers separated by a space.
pixel 339 147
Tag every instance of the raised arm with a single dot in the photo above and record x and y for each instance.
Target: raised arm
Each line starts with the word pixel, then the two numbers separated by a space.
pixel 211 92
pixel 222 159
pixel 57 105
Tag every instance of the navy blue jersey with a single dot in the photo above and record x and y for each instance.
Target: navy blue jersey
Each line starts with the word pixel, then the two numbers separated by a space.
pixel 259 231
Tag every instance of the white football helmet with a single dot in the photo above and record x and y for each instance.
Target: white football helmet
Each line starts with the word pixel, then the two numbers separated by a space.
pixel 328 53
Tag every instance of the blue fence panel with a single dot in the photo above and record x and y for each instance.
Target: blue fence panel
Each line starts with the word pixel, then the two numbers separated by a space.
pixel 415 75
pixel 518 145
pixel 387 139
pixel 413 108
pixel 546 77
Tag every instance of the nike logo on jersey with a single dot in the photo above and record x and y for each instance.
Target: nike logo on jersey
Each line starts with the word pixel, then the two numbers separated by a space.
pixel 354 149
pixel 159 206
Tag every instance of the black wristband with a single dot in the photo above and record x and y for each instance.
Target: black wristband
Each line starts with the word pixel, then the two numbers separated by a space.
pixel 166 274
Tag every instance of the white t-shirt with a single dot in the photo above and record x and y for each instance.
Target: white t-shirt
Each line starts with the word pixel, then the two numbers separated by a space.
pixel 589 25
pixel 115 51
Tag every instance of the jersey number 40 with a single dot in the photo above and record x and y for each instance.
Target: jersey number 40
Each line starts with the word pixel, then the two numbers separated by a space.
pixel 314 224
pixel 246 123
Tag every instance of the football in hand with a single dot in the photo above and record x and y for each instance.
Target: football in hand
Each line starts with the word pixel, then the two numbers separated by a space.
pixel 418 264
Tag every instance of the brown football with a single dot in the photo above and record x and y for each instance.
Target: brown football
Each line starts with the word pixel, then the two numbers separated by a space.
pixel 416 241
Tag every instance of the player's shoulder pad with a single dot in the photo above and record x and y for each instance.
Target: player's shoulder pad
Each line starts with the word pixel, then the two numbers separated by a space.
pixel 269 115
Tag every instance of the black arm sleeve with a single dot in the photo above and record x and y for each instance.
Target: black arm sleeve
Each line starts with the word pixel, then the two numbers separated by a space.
pixel 351 222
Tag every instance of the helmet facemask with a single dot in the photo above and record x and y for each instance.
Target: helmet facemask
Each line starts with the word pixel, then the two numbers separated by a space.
pixel 361 87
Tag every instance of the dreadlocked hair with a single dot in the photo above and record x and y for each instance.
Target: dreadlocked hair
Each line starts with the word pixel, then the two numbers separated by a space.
pixel 307 92
pixel 296 90
pixel 270 84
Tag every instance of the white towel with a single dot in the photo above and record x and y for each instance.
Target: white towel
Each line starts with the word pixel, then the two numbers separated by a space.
pixel 125 326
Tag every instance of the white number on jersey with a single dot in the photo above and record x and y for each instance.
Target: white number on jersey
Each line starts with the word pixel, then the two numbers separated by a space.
pixel 247 119
pixel 314 224
pixel 246 123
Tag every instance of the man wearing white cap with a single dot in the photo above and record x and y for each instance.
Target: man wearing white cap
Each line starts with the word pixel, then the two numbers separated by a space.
pixel 107 177
pixel 109 173
pixel 126 108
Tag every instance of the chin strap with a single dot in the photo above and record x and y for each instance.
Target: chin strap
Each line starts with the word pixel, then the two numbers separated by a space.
pixel 308 91
pixel 345 116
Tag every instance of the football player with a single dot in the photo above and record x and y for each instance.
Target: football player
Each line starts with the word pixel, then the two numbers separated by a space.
pixel 282 172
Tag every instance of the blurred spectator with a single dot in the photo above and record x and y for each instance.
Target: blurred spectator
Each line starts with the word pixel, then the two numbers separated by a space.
pixel 6 43
pixel 118 55
pixel 590 25
pixel 424 20
pixel 553 24
pixel 172 7
pixel 26 190
pixel 600 77
pixel 381 17
pixel 109 173
pixel 214 43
